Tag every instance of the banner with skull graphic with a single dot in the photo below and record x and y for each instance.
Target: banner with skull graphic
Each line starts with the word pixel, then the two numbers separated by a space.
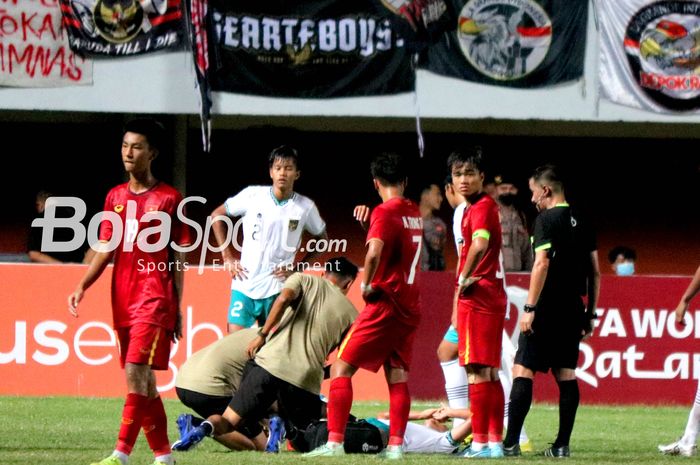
pixel 123 27
pixel 650 54
pixel 513 43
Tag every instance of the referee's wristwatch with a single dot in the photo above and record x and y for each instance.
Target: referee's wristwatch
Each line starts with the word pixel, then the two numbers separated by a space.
pixel 529 308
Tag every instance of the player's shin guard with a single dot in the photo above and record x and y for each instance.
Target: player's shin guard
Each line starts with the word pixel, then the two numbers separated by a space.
pixel 155 427
pixel 568 404
pixel 339 404
pixel 399 407
pixel 132 417
pixel 520 401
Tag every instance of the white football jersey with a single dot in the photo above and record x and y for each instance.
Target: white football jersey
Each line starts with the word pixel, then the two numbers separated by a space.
pixel 272 234
pixel 457 225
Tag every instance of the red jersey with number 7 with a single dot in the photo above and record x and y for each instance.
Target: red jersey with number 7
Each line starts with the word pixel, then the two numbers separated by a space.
pixel 398 224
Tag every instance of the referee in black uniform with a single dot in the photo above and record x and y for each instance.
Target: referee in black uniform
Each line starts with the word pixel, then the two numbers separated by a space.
pixel 556 317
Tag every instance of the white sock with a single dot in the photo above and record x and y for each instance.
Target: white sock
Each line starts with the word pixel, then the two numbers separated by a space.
pixel 456 386
pixel 123 458
pixel 494 444
pixel 333 445
pixel 477 446
pixel 166 458
pixel 690 436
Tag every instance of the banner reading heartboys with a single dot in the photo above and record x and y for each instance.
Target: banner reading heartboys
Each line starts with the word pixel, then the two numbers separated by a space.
pixel 123 27
pixel 514 43
pixel 306 48
pixel 33 50
pixel 650 54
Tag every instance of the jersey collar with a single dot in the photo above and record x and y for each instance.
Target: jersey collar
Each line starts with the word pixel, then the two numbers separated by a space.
pixel 281 203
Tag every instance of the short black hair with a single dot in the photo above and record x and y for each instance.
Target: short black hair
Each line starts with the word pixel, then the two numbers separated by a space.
pixel 473 155
pixel 152 130
pixel 549 175
pixel 448 180
pixel 389 169
pixel 627 252
pixel 284 152
pixel 342 267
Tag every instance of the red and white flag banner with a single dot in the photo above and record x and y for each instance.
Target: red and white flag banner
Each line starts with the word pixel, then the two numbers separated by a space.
pixel 650 54
pixel 34 50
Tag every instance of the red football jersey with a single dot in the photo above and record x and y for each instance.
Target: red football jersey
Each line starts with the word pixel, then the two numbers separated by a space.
pixel 143 286
pixel 398 224
pixel 488 293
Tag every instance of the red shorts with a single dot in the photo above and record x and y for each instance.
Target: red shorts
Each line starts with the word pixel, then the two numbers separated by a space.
pixel 145 344
pixel 378 337
pixel 480 335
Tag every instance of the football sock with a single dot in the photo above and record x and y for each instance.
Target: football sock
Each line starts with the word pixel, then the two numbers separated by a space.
pixel 155 427
pixel 399 407
pixel 132 417
pixel 690 435
pixel 568 404
pixel 123 458
pixel 456 386
pixel 479 401
pixel 339 404
pixel 520 400
pixel 496 406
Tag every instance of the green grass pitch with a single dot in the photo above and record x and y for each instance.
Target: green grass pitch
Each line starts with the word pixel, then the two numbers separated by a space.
pixel 78 431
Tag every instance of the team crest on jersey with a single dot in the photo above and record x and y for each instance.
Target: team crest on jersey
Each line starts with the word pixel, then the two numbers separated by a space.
pixel 118 208
pixel 504 39
pixel 662 42
pixel 293 225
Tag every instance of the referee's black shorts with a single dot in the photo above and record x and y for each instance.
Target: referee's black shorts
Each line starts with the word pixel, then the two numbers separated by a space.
pixel 554 342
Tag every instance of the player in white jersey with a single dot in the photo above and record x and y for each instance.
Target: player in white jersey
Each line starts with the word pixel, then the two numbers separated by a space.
pixel 456 383
pixel 273 220
pixel 433 437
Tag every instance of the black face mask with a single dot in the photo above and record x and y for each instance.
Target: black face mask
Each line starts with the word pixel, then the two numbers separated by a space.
pixel 507 199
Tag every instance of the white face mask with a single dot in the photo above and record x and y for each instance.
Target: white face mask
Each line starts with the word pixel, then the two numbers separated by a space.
pixel 624 269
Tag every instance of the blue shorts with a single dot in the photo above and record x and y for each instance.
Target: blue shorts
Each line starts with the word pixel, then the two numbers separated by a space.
pixel 451 335
pixel 244 311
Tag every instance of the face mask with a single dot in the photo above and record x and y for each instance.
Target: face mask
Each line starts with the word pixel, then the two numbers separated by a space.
pixel 507 199
pixel 625 269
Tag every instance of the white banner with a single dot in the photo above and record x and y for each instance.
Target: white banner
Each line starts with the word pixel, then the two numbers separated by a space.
pixel 34 50
pixel 650 54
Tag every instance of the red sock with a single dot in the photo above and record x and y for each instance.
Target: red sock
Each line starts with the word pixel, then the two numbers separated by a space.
pixel 479 405
pixel 155 427
pixel 339 404
pixel 132 418
pixel 497 401
pixel 399 406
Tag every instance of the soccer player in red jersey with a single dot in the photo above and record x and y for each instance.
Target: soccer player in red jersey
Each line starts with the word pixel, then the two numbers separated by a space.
pixel 383 333
pixel 480 304
pixel 146 285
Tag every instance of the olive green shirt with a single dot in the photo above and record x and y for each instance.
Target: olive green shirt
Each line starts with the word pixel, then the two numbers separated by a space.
pixel 216 370
pixel 297 350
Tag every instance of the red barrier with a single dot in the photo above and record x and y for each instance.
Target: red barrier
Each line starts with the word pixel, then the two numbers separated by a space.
pixel 638 354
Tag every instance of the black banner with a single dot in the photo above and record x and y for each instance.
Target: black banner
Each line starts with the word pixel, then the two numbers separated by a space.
pixel 514 43
pixel 122 27
pixel 306 48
